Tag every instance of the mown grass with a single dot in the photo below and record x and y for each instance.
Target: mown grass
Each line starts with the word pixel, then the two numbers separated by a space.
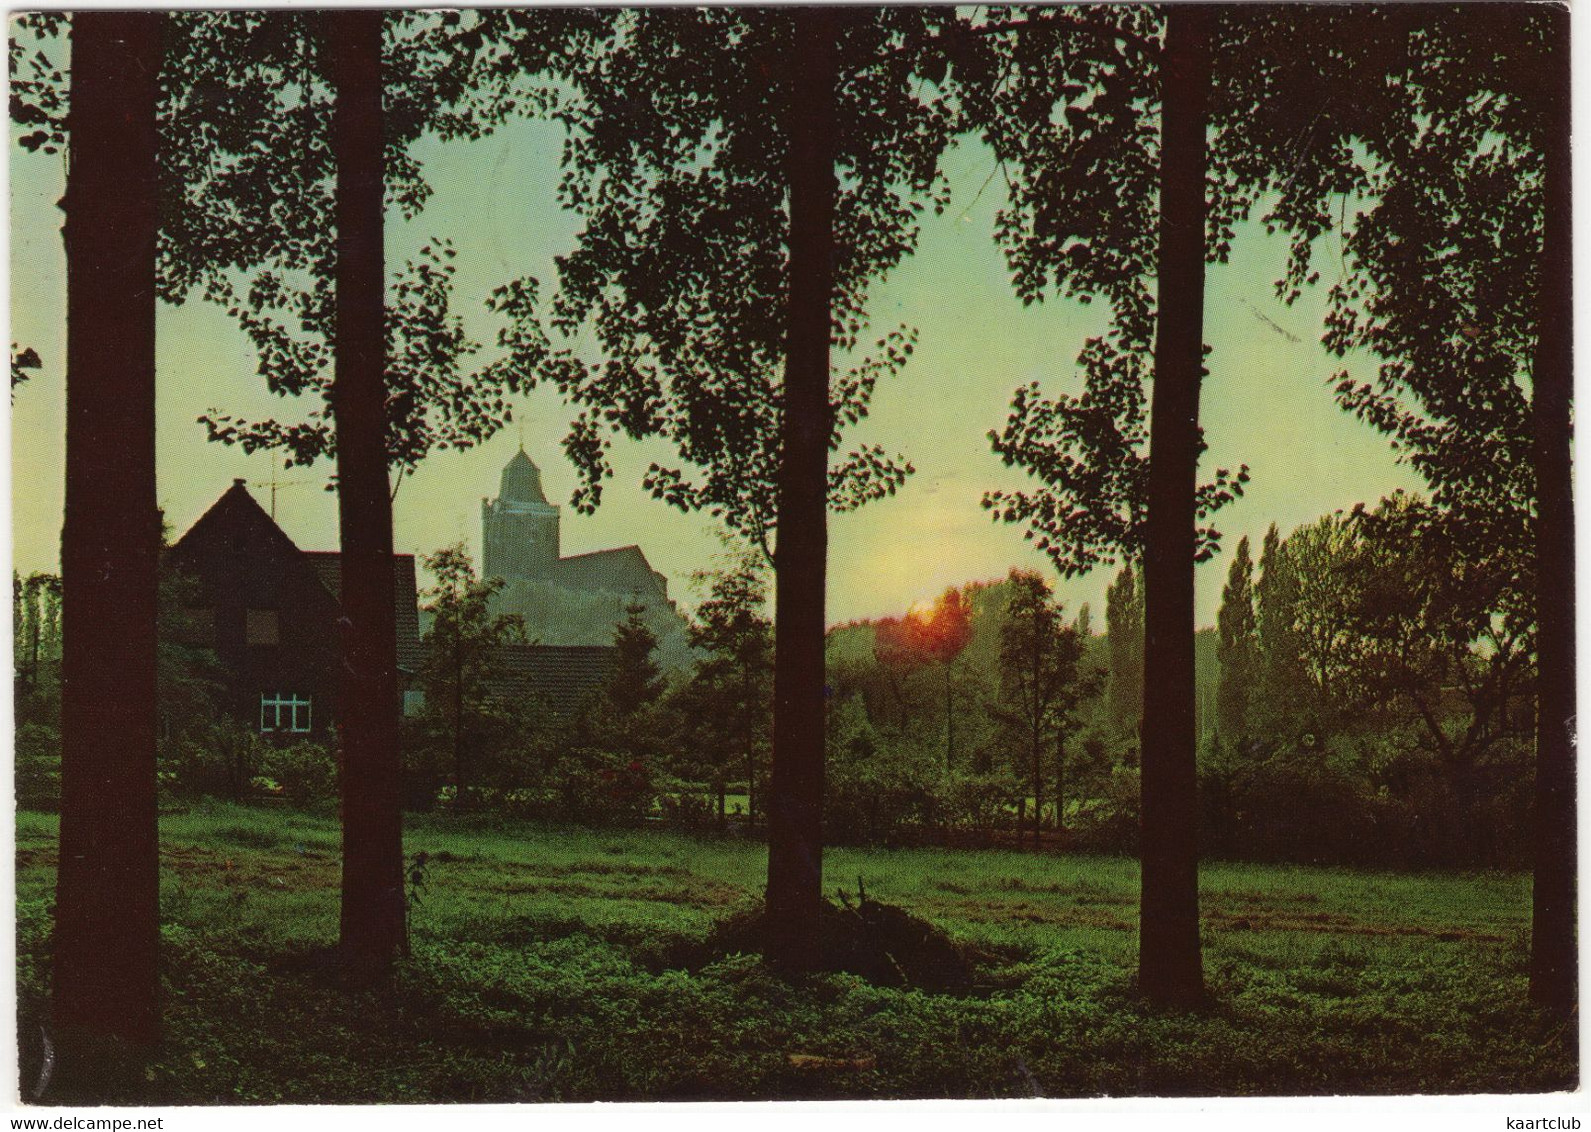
pixel 546 966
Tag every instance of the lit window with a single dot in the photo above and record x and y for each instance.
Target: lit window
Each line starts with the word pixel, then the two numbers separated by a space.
pixel 261 627
pixel 281 711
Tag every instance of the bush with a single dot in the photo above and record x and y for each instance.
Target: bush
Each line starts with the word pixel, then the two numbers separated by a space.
pixel 38 767
pixel 306 772
pixel 217 760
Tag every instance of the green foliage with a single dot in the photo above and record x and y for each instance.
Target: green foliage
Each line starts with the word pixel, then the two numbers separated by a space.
pixel 38 766
pixel 1124 633
pixel 724 711
pixel 303 772
pixel 679 163
pixel 637 681
pixel 1041 687
pixel 1391 712
pixel 464 732
pixel 1238 650
pixel 544 967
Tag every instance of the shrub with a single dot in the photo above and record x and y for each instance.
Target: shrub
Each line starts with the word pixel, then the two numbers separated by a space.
pixel 38 767
pixel 306 772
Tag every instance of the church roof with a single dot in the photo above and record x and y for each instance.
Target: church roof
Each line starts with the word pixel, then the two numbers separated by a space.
pixel 521 481
pixel 622 570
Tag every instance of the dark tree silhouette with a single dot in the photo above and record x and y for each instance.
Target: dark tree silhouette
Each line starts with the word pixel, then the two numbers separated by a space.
pixel 637 681
pixel 1458 280
pixel 1554 964
pixel 795 791
pixel 459 656
pixel 105 981
pixel 727 704
pixel 1169 965
pixel 745 176
pixel 249 207
pixel 373 926
pixel 1098 208
pixel 1041 687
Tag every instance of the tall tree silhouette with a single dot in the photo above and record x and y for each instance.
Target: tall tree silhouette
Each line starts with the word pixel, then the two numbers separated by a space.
pixel 1102 202
pixel 795 791
pixel 1041 688
pixel 1554 973
pixel 745 176
pixel 1169 965
pixel 1456 276
pixel 373 926
pixel 105 980
pixel 302 224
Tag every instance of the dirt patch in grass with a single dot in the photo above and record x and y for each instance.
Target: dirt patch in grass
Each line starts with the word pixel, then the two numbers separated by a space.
pixel 882 943
pixel 701 893
pixel 605 868
pixel 1328 923
pixel 1056 915
pixel 44 858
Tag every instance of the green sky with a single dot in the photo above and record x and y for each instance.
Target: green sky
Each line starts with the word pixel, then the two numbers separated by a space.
pixel 1267 401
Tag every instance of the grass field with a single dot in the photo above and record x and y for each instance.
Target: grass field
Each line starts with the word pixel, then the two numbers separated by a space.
pixel 545 966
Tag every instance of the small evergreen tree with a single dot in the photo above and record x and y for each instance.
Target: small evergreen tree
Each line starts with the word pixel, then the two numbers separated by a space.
pixel 637 682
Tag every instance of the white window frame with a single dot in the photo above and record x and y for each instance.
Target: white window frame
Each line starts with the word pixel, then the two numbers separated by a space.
pixel 285 711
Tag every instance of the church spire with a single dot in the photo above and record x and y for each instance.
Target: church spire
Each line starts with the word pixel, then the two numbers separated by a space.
pixel 521 481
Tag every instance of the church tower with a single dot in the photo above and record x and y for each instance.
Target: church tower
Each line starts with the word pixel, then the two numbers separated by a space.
pixel 519 529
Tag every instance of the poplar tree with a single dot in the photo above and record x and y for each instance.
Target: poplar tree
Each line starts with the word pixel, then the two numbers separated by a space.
pixel 745 177
pixel 1237 650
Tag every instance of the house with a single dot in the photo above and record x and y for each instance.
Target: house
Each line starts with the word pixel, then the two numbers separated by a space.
pixel 270 612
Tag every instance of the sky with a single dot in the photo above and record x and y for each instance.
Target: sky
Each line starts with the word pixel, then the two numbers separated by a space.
pixel 1267 401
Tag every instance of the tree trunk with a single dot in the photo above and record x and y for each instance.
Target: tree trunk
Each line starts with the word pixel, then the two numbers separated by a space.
pixel 458 716
pixel 795 803
pixel 1038 788
pixel 750 719
pixel 372 884
pixel 1060 784
pixel 950 721
pixel 108 888
pixel 1553 963
pixel 1170 970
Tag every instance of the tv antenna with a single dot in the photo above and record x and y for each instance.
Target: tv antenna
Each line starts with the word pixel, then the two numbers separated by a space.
pixel 275 483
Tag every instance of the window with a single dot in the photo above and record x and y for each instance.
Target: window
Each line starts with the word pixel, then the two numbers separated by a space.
pixel 284 711
pixel 261 627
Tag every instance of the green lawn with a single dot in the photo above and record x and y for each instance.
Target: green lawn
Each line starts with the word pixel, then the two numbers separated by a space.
pixel 545 967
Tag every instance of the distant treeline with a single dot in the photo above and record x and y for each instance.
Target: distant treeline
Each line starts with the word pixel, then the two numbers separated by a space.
pixel 1357 704
pixel 1349 711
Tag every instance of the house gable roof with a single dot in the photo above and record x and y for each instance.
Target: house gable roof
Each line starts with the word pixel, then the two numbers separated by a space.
pixel 237 531
pixel 405 596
